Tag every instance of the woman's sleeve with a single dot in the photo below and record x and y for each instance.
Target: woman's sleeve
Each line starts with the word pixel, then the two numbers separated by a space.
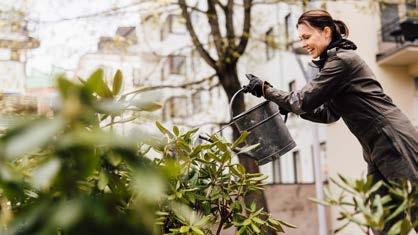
pixel 323 114
pixel 316 92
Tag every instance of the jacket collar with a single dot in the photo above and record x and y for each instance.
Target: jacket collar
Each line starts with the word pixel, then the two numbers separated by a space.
pixel 332 49
pixel 324 56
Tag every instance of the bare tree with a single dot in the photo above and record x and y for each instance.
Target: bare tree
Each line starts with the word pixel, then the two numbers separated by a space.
pixel 229 49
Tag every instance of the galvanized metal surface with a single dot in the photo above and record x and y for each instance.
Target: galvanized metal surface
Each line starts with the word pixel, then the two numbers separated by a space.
pixel 267 129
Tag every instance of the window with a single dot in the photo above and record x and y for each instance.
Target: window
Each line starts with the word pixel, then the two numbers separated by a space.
pixel 176 23
pixel 177 64
pixel 165 31
pixel 173 24
pixel 270 44
pixel 411 7
pixel 164 71
pixel 389 16
pixel 175 107
pixel 195 63
pixel 197 102
pixel 323 157
pixel 297 164
pixel 289 30
pixel 276 171
pixel 287 169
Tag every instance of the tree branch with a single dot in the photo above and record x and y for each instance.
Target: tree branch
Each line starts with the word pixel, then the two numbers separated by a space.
pixel 184 85
pixel 197 90
pixel 194 8
pixel 195 40
pixel 201 124
pixel 213 20
pixel 133 117
pixel 246 28
pixel 229 22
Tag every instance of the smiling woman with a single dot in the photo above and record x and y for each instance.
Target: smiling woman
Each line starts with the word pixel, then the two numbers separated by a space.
pixel 318 32
pixel 346 88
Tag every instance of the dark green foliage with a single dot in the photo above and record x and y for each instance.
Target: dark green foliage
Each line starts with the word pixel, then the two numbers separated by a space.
pixel 70 175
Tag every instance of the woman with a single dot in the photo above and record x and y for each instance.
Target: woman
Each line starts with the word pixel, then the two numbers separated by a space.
pixel 346 87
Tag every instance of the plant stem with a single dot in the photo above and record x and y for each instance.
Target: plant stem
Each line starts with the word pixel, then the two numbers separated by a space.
pixel 221 223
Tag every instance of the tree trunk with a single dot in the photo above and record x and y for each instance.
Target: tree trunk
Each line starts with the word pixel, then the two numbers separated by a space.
pixel 230 82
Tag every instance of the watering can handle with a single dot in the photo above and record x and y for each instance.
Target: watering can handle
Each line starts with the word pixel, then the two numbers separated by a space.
pixel 231 113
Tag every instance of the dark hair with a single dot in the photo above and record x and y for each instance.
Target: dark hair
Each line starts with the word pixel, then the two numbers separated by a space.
pixel 320 19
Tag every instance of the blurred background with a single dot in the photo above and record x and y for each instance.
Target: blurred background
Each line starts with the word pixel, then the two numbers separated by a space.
pixel 186 58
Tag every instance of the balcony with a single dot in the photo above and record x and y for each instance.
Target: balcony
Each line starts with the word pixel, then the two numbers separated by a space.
pixel 398 42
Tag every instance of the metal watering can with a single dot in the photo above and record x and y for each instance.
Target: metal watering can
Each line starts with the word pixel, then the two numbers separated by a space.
pixel 267 128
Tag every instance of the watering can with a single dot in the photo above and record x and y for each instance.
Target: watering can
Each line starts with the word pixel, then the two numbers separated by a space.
pixel 267 129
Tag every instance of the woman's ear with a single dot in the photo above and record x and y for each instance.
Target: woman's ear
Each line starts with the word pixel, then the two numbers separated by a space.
pixel 327 32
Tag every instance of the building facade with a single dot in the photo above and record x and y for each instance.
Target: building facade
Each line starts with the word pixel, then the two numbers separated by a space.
pixel 157 52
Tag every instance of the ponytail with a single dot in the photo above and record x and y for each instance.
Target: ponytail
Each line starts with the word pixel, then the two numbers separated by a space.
pixel 320 19
pixel 341 28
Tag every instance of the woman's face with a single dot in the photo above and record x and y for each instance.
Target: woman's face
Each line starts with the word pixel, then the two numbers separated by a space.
pixel 314 40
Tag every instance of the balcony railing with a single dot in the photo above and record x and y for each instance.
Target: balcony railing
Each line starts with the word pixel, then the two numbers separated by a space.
pixel 398 42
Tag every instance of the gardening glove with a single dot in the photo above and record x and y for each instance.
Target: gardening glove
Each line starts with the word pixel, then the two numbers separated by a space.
pixel 255 85
pixel 283 111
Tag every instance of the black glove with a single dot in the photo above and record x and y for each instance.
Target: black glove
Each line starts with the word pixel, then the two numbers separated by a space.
pixel 255 85
pixel 283 111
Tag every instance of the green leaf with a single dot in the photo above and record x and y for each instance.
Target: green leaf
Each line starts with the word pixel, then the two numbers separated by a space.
pixel 375 187
pixel 65 86
pixel 103 180
pixel 163 129
pixel 66 214
pixel 176 130
pixel 114 158
pixel 149 185
pixel 117 82
pixel 248 148
pixel 96 84
pixel 241 168
pixel 396 228
pixel 149 107
pixel 43 176
pixel 241 230
pixel 258 220
pixel 287 224
pixel 399 210
pixel 253 206
pixel 32 137
pixel 234 170
pixel 240 139
pixel 198 231
pixel 246 222
pixel 184 229
pixel 255 228
pixel 147 102
pixel 324 203
pixel 406 227
pixel 276 225
pixel 345 187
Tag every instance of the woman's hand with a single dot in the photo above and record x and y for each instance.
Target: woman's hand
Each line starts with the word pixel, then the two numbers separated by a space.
pixel 254 86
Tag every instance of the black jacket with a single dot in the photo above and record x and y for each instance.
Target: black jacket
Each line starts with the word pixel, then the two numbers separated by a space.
pixel 346 88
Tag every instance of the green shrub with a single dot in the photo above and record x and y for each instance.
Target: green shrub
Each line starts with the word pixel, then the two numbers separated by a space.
pixel 69 175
